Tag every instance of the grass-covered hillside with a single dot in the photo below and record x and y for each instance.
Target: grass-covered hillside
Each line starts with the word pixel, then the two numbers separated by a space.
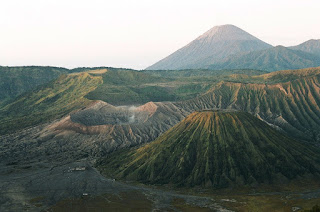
pixel 203 73
pixel 17 80
pixel 215 149
pixel 285 75
pixel 48 102
pixel 42 103
pixel 123 87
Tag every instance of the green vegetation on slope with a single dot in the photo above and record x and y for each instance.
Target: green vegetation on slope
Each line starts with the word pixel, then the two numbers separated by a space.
pixel 123 87
pixel 17 80
pixel 130 87
pixel 48 102
pixel 215 149
pixel 116 86
pixel 293 106
pixel 203 73
pixel 285 75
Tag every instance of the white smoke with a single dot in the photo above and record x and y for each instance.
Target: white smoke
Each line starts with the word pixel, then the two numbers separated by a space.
pixel 132 108
pixel 131 119
pixel 131 113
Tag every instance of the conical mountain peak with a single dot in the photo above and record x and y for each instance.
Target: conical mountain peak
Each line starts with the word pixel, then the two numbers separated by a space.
pixel 225 33
pixel 212 46
pixel 215 149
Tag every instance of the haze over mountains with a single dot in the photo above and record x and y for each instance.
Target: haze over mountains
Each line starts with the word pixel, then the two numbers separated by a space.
pixel 214 45
pixel 311 46
pixel 229 47
pixel 272 59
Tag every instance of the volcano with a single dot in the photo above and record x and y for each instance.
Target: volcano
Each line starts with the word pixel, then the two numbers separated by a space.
pixel 213 46
pixel 215 149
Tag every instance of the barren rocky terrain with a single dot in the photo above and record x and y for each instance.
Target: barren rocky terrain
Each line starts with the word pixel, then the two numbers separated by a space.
pixel 59 186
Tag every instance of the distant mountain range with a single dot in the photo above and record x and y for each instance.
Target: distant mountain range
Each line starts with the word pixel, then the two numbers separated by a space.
pixel 229 47
pixel 310 46
pixel 272 59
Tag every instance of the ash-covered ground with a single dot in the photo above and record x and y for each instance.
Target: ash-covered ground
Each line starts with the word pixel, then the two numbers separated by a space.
pixel 44 186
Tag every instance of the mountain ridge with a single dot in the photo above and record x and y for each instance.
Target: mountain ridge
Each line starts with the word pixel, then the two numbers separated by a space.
pixel 216 43
pixel 292 106
pixel 310 46
pixel 229 47
pixel 273 59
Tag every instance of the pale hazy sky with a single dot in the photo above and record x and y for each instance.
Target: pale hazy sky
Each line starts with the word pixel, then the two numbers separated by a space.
pixel 138 33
